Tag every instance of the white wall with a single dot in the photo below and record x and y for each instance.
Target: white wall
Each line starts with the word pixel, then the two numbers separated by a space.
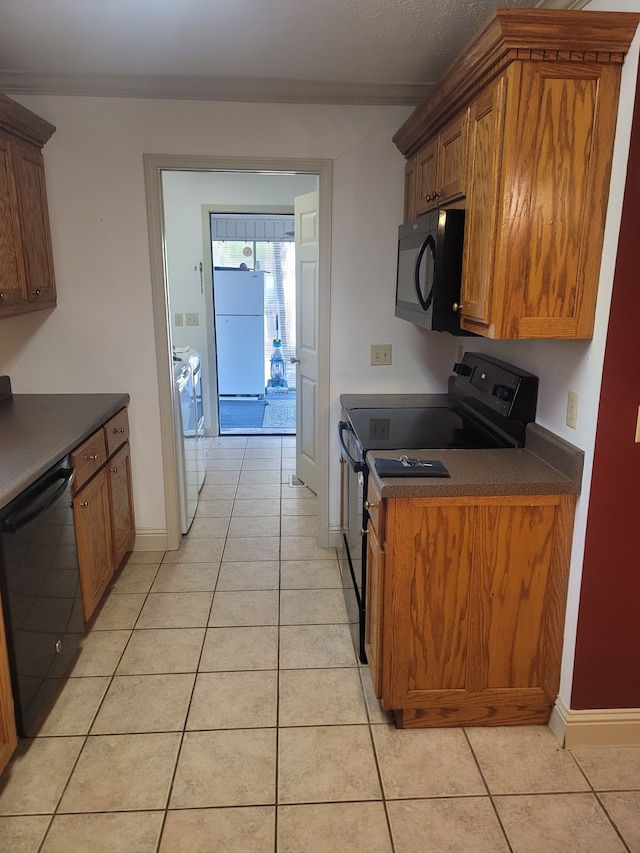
pixel 100 337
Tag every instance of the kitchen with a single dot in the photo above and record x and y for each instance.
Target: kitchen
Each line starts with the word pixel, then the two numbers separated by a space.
pixel 91 156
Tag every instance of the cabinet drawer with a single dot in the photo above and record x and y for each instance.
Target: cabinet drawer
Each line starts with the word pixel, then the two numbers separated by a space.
pixel 117 431
pixel 375 510
pixel 88 458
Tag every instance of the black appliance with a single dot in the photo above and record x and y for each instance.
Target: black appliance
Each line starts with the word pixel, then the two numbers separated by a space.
pixel 488 405
pixel 40 586
pixel 429 270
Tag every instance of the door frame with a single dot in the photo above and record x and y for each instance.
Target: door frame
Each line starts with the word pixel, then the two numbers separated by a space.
pixel 154 165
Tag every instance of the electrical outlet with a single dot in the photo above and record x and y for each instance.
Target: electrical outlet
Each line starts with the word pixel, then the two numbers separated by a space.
pixel 572 409
pixel 192 319
pixel 178 319
pixel 380 354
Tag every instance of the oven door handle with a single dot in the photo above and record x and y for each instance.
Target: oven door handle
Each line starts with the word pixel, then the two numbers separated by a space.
pixel 31 509
pixel 357 466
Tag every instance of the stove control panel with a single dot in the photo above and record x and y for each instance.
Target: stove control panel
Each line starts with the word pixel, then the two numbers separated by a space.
pixel 508 391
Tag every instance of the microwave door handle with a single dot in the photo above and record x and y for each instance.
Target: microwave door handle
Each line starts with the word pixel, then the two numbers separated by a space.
pixel 430 244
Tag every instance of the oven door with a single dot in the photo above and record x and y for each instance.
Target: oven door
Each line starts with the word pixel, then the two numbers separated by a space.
pixel 353 484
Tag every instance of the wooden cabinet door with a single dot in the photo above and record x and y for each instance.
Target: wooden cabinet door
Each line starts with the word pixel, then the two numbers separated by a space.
pixel 557 163
pixel 426 177
pixel 373 624
pixel 512 573
pixel 429 550
pixel 410 178
pixel 12 275
pixel 120 492
pixel 8 734
pixel 34 218
pixel 452 154
pixel 93 534
pixel 486 127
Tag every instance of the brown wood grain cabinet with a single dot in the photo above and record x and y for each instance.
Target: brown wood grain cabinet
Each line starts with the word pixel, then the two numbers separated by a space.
pixel 27 280
pixel 466 601
pixel 441 167
pixel 102 507
pixel 534 96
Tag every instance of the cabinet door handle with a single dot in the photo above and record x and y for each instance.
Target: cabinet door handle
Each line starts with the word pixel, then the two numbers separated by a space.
pixel 118 429
pixel 2 297
pixel 92 457
pixel 84 504
pixel 368 505
pixel 114 470
pixel 364 532
pixel 37 292
pixel 457 306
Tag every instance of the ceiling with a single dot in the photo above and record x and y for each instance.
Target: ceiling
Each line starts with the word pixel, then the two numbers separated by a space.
pixel 318 51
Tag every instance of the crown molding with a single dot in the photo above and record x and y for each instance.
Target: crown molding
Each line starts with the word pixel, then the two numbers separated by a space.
pixel 214 89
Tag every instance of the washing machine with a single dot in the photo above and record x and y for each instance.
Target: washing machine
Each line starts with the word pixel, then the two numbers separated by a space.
pixel 184 404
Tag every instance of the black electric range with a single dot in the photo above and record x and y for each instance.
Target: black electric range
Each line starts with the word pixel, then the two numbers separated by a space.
pixel 488 405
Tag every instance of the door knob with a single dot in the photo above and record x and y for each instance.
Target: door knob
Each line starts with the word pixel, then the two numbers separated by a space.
pixel 294 359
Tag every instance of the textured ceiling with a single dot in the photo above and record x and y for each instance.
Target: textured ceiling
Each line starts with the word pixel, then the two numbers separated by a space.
pixel 291 50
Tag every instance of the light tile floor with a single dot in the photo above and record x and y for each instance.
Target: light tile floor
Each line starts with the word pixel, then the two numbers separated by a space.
pixel 217 705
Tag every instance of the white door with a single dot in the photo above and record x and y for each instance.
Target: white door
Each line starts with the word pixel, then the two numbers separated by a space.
pixel 307 263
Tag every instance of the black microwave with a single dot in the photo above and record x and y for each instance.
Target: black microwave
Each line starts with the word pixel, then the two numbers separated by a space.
pixel 430 270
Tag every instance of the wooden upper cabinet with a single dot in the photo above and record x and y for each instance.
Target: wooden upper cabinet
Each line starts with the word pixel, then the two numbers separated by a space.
pixel 410 177
pixel 441 167
pixel 486 128
pixel 27 281
pixel 539 89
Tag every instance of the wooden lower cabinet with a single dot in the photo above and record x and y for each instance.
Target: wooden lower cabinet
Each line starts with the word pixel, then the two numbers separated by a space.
pixel 467 602
pixel 103 507
pixel 93 534
pixel 121 504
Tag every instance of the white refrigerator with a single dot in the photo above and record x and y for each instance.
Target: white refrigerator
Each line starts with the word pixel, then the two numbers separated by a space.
pixel 239 318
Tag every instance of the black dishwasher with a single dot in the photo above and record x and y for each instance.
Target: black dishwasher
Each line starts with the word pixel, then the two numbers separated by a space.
pixel 40 586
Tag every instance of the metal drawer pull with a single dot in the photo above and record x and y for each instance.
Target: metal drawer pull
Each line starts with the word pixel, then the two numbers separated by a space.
pixel 364 532
pixel 114 470
pixel 2 296
pixel 118 429
pixel 36 292
pixel 368 505
pixel 92 457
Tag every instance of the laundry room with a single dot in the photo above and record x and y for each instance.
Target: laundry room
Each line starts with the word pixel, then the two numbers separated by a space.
pixel 230 271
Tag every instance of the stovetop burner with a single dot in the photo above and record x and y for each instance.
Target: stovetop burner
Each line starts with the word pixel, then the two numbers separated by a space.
pixel 413 428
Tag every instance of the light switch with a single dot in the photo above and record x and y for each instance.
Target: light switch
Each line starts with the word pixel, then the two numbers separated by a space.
pixel 178 319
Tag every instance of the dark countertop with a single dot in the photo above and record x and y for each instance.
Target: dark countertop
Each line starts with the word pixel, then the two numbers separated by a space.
pixel 37 430
pixel 546 465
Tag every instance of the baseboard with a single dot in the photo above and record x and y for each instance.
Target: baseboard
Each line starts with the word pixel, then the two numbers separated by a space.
pixel 334 536
pixel 150 540
pixel 607 727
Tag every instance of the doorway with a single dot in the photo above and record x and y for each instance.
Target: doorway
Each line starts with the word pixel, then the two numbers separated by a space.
pixel 254 297
pixel 158 213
